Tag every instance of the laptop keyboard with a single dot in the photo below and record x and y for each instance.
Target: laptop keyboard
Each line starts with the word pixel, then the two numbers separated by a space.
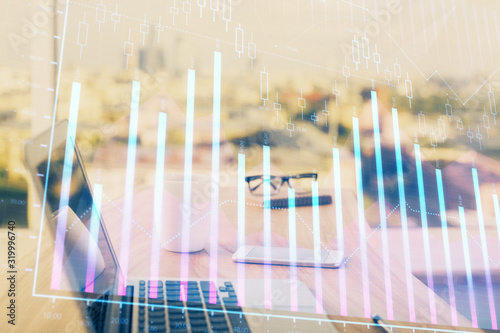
pixel 97 311
pixel 191 306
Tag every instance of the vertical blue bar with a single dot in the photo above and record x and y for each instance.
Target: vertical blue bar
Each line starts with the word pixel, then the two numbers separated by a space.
pixel 42 215
pixel 381 208
pixel 292 243
pixel 446 243
pixel 129 188
pixel 484 247
pixel 317 249
pixel 378 162
pixel 65 187
pixel 267 226
pixel 214 203
pixel 497 214
pixel 94 233
pixel 316 225
pixel 468 269
pixel 404 219
pixel 340 229
pixel 188 173
pixel 158 204
pixel 338 199
pixel 425 234
pixel 241 226
pixel 188 151
pixel 361 219
pixel 241 200
pixel 292 228
pixel 267 196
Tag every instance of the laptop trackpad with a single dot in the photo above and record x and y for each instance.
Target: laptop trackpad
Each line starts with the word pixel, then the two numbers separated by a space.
pixel 282 297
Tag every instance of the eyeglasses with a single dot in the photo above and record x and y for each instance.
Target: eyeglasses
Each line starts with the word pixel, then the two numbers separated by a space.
pixel 301 183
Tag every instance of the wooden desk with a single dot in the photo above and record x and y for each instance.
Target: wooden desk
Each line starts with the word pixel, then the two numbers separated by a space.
pixel 34 312
pixel 227 269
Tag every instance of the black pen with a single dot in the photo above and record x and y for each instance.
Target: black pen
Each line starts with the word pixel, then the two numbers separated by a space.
pixel 381 323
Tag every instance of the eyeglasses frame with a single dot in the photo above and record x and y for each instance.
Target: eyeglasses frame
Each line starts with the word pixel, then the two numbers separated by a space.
pixel 284 179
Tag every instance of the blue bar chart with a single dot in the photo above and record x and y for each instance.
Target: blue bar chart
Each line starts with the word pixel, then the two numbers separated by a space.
pixel 317 163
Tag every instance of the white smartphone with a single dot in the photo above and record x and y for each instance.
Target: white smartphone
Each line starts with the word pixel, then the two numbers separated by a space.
pixel 281 256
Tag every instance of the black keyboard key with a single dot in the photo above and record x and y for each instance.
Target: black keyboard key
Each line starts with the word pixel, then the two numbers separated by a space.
pixel 179 287
pixel 156 301
pixel 229 299
pixel 176 313
pixel 198 323
pixel 172 311
pixel 208 292
pixel 177 293
pixel 174 298
pixel 214 307
pixel 196 305
pixel 217 301
pixel 213 298
pixel 194 314
pixel 207 298
pixel 157 321
pixel 234 309
pixel 156 314
pixel 205 285
pixel 198 319
pixel 173 291
pixel 159 328
pixel 177 283
pixel 217 318
pixel 155 283
pixel 220 327
pixel 172 283
pixel 237 319
pixel 176 317
pixel 178 330
pixel 175 307
pixel 179 324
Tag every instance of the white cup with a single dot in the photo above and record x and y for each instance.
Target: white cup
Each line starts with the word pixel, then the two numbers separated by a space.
pixel 189 222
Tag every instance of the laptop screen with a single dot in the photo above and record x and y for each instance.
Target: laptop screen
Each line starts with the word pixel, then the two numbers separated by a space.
pixel 79 226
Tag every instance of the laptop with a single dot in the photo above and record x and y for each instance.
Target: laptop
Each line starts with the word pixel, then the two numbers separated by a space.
pixel 163 305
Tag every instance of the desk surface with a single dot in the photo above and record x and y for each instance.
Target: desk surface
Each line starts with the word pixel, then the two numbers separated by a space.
pixel 199 262
pixel 199 267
